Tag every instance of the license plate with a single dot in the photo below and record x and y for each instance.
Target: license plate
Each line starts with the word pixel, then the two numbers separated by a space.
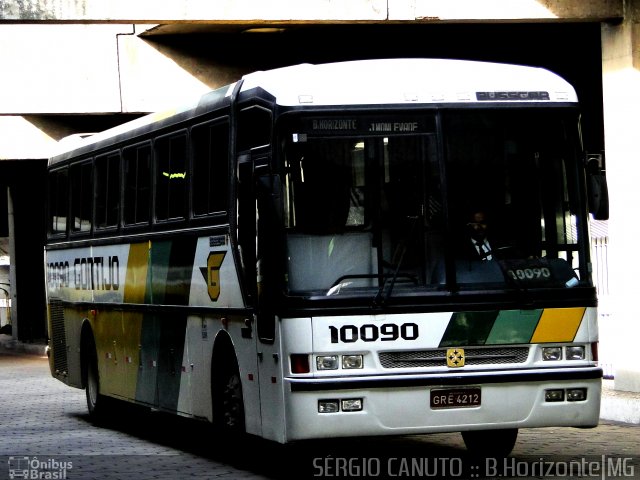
pixel 455 397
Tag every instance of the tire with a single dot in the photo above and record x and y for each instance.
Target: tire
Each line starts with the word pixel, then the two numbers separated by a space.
pixel 228 403
pixel 96 403
pixel 490 443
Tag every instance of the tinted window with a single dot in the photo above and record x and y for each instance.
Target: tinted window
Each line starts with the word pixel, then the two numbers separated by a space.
pixel 58 201
pixel 81 196
pixel 107 190
pixel 210 168
pixel 137 184
pixel 254 128
pixel 171 177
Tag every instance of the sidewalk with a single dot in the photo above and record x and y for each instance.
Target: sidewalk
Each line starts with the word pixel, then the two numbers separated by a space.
pixel 7 343
pixel 617 405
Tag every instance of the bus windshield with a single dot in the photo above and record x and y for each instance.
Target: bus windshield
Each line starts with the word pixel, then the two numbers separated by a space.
pixel 394 205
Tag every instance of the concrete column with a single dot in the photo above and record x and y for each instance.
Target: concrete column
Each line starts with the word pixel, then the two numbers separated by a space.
pixel 12 267
pixel 621 96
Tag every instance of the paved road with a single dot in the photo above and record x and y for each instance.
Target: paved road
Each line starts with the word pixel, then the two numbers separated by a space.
pixel 45 433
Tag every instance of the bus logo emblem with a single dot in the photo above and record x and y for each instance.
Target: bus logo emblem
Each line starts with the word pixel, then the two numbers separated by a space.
pixel 455 357
pixel 214 262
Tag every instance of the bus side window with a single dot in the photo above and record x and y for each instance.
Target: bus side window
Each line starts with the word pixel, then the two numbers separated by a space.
pixel 137 184
pixel 171 177
pixel 254 128
pixel 107 183
pixel 81 197
pixel 58 201
pixel 210 146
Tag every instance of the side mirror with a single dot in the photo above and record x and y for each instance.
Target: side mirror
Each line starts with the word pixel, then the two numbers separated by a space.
pixel 597 190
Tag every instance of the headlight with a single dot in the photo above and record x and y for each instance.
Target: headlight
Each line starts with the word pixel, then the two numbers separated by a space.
pixel 352 361
pixel 576 394
pixel 327 362
pixel 328 406
pixel 575 352
pixel 551 353
pixel 351 405
pixel 555 395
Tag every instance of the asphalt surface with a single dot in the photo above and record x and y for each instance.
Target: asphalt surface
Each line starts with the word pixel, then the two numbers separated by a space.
pixel 45 433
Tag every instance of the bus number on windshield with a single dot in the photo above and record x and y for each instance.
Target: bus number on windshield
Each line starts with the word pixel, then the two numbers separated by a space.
pixel 387 332
pixel 530 273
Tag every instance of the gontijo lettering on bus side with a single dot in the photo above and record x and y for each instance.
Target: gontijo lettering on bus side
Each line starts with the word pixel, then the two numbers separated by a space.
pixel 86 273
pixel 147 272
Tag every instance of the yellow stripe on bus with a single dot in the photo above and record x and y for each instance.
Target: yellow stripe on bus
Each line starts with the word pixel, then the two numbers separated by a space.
pixel 134 292
pixel 558 325
pixel 136 278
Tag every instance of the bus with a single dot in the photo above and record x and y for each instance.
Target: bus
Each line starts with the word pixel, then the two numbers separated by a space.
pixel 283 257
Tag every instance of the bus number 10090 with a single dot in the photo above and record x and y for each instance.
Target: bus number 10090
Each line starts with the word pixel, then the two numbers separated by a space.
pixel 369 332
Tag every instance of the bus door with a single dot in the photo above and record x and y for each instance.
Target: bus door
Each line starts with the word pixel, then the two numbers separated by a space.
pixel 270 244
pixel 246 348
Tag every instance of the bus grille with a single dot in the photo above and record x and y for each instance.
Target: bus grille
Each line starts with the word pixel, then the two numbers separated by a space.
pixel 58 337
pixel 438 358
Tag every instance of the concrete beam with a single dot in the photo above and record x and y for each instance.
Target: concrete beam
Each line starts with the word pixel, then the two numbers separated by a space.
pixel 87 69
pixel 60 68
pixel 22 139
pixel 176 11
pixel 506 10
pixel 295 11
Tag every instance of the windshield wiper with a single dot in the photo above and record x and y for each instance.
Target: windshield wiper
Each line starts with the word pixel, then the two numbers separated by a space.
pixel 383 292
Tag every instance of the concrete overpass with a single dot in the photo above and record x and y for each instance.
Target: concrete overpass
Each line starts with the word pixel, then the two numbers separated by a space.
pixel 73 66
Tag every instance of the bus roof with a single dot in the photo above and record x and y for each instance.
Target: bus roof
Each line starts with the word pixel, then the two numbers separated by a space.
pixel 400 81
pixel 409 80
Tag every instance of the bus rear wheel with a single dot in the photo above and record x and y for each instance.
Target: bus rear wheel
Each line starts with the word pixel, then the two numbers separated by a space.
pixel 490 443
pixel 96 403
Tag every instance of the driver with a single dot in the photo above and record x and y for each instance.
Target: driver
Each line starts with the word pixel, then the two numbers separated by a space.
pixel 478 241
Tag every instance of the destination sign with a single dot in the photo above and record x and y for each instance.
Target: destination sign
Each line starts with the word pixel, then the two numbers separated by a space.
pixel 368 125
pixel 513 96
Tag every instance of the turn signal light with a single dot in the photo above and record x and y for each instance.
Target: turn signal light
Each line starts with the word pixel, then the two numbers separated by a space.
pixel 300 363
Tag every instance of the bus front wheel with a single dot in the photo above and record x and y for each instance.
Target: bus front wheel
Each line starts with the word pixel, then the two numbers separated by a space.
pixel 490 443
pixel 228 402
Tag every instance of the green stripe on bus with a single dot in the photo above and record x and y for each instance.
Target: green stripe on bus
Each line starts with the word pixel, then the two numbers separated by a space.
pixel 148 361
pixel 514 326
pixel 468 328
pixel 178 286
pixel 159 270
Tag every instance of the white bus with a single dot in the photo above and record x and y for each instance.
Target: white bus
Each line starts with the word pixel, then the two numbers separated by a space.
pixel 284 258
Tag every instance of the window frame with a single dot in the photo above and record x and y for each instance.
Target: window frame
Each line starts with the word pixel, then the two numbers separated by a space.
pixel 182 132
pixel 207 128
pixel 79 164
pixel 113 226
pixel 55 172
pixel 136 147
